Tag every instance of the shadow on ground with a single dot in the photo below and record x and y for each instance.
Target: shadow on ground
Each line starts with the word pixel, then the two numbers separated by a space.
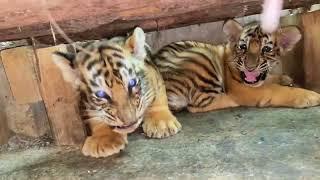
pixel 238 143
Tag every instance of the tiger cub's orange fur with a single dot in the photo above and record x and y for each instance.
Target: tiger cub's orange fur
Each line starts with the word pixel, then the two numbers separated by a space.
pixel 119 88
pixel 203 77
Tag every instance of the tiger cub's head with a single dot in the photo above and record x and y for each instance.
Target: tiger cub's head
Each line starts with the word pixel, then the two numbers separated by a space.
pixel 255 52
pixel 110 77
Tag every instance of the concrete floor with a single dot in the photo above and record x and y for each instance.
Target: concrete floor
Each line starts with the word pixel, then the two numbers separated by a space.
pixel 242 143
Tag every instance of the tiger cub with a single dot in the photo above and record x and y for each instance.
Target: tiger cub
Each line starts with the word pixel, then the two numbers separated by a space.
pixel 119 88
pixel 203 77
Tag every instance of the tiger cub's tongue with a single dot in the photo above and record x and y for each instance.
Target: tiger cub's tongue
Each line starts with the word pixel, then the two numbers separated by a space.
pixel 251 76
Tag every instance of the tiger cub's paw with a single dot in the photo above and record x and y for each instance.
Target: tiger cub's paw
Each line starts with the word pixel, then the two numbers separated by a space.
pixel 307 99
pixel 286 81
pixel 103 146
pixel 160 125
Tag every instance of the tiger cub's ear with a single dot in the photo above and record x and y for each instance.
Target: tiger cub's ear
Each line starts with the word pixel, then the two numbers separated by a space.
pixel 65 62
pixel 287 38
pixel 232 29
pixel 137 42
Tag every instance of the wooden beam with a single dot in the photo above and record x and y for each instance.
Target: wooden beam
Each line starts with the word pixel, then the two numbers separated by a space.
pixel 83 19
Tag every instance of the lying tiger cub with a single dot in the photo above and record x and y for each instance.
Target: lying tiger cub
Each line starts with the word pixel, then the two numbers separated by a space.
pixel 203 77
pixel 119 87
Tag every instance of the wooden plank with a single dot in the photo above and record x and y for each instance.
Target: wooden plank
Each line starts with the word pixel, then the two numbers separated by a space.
pixel 96 19
pixel 293 60
pixel 4 93
pixel 18 64
pixel 60 100
pixel 24 115
pixel 311 26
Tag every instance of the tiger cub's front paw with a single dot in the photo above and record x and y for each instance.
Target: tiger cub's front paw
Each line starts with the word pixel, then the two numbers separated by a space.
pixel 160 125
pixel 307 99
pixel 103 146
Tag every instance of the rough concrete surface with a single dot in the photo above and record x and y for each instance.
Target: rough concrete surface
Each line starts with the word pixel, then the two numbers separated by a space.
pixel 241 143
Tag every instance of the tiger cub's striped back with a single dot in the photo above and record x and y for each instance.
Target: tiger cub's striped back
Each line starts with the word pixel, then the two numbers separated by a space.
pixel 193 73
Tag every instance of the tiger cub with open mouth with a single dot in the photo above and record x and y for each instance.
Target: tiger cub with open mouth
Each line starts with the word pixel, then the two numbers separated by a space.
pixel 203 77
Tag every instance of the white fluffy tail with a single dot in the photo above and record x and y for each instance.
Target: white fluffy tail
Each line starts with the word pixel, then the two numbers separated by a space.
pixel 270 17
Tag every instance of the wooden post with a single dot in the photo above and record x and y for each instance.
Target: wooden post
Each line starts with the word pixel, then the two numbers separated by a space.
pixel 311 26
pixel 60 100
pixel 23 106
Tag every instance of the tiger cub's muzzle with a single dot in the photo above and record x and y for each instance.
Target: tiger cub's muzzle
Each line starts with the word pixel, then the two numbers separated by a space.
pixel 128 118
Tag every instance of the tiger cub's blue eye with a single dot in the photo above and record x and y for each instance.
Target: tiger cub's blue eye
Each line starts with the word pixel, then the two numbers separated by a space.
pixel 132 83
pixel 101 94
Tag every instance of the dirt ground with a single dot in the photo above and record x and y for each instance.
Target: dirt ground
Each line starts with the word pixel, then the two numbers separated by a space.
pixel 241 143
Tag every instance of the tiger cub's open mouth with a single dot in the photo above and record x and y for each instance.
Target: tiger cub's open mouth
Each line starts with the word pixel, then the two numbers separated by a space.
pixel 253 77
